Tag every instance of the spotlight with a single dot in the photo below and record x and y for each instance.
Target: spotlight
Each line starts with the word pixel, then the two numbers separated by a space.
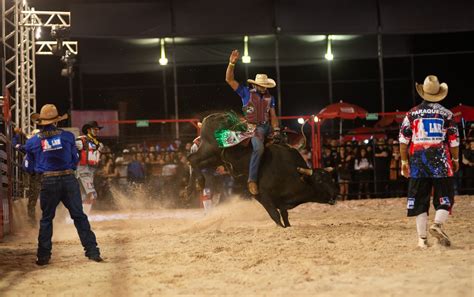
pixel 246 58
pixel 163 60
pixel 38 33
pixel 316 119
pixel 301 121
pixel 329 56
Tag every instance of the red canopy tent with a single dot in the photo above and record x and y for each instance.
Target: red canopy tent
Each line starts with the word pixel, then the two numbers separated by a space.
pixel 465 112
pixel 342 110
pixel 389 119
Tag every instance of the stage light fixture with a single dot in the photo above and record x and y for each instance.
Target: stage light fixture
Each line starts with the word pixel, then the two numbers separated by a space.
pixel 69 59
pixel 316 119
pixel 163 60
pixel 246 58
pixel 38 33
pixel 329 56
pixel 301 121
pixel 60 33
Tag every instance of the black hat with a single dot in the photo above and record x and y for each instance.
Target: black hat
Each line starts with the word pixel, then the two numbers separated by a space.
pixel 91 124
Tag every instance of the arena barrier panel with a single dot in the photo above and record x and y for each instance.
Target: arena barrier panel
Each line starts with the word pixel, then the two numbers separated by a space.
pixel 6 168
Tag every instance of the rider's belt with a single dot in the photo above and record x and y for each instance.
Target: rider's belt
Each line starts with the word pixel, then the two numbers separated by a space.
pixel 58 173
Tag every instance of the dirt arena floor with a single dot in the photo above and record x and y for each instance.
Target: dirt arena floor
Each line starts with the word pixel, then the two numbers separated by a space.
pixel 355 248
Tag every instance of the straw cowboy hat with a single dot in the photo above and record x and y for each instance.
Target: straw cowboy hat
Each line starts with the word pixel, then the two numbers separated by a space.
pixel 263 81
pixel 48 115
pixel 431 90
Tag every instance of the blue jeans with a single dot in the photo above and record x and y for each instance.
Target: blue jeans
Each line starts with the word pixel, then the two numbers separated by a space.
pixel 261 132
pixel 65 189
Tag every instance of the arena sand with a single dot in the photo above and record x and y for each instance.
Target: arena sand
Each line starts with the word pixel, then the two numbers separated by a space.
pixel 355 248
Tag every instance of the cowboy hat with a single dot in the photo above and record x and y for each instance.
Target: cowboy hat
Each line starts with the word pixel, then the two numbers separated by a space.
pixel 48 115
pixel 89 125
pixel 431 90
pixel 263 81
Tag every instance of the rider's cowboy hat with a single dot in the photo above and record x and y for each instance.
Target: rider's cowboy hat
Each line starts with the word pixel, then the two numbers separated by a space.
pixel 90 125
pixel 431 90
pixel 48 115
pixel 263 81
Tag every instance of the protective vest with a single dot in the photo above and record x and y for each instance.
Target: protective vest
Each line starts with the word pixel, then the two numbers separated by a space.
pixel 89 151
pixel 257 110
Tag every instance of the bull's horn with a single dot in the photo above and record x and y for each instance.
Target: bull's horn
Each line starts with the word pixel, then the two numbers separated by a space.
pixel 305 171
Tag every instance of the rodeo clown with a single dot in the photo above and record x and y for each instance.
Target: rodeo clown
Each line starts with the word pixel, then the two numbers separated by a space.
pixel 53 154
pixel 89 156
pixel 259 109
pixel 429 149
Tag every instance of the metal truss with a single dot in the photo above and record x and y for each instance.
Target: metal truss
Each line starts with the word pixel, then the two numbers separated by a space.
pixel 34 18
pixel 27 74
pixel 46 47
pixel 19 23
pixel 18 37
pixel 11 49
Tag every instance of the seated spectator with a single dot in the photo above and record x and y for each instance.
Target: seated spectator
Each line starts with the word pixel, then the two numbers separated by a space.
pixel 328 162
pixel 187 148
pixel 363 167
pixel 175 146
pixel 381 162
pixel 396 179
pixel 136 170
pixel 343 172
pixel 468 170
pixel 121 163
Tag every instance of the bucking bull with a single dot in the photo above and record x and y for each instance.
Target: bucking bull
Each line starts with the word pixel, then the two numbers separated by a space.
pixel 284 181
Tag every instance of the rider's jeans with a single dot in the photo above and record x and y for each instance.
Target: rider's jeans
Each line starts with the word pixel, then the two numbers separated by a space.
pixel 261 132
pixel 65 189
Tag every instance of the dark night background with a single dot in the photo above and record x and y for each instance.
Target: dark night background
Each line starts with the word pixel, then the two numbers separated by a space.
pixel 304 78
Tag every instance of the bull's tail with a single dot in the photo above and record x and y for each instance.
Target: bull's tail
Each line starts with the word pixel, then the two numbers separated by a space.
pixel 303 145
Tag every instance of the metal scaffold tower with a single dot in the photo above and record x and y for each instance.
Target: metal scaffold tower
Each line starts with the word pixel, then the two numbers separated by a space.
pixel 20 24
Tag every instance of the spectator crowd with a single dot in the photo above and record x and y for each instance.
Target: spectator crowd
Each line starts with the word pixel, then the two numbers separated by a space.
pixel 370 169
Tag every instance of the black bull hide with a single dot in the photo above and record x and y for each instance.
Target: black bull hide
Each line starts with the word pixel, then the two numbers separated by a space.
pixel 280 184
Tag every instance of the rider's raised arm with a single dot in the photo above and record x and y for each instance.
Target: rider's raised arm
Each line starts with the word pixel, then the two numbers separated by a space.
pixel 229 74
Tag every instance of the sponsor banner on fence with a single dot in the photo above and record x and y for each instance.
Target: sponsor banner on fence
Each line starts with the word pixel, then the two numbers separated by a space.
pixel 80 117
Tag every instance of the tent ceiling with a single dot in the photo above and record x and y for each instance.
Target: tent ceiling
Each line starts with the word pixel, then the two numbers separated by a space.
pixel 118 36
pixel 259 17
